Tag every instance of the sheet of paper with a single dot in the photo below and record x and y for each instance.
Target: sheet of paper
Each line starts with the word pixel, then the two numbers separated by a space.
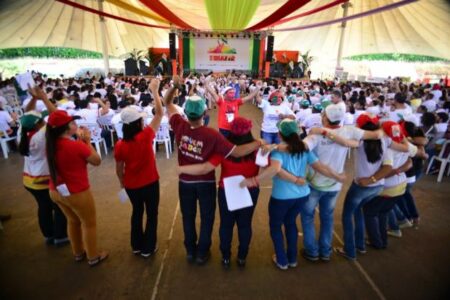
pixel 123 196
pixel 262 160
pixel 237 197
pixel 63 190
pixel 24 80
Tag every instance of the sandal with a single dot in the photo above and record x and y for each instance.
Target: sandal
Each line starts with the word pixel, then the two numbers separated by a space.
pixel 80 257
pixel 95 261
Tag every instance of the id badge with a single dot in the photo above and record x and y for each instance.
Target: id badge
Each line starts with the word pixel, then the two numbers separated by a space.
pixel 230 118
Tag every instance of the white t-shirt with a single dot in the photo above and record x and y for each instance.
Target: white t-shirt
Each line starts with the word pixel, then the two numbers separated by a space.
pixel 5 120
pixel 87 115
pixel 349 119
pixel 363 168
pixel 302 114
pixel 398 114
pixel 40 106
pixel 430 105
pixel 399 158
pixel 436 95
pixel 36 161
pixel 313 120
pixel 330 154
pixel 272 115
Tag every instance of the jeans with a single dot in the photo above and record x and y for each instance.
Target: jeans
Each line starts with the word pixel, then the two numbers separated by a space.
pixel 146 197
pixel 407 205
pixel 205 193
pixel 326 202
pixel 270 137
pixel 52 222
pixel 224 132
pixel 79 210
pixel 376 217
pixel 394 216
pixel 243 219
pixel 355 199
pixel 284 212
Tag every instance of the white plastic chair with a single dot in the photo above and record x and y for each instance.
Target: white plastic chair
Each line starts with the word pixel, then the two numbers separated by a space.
pixel 4 139
pixel 105 123
pixel 443 158
pixel 163 136
pixel 96 136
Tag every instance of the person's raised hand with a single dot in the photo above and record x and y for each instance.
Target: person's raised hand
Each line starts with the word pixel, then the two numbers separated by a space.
pixel 154 84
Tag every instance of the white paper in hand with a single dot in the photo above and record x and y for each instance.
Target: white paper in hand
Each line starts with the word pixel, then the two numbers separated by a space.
pixel 24 80
pixel 237 197
pixel 63 190
pixel 262 160
pixel 123 196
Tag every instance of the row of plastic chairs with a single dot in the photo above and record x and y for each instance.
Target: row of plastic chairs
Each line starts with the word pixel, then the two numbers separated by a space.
pixel 444 158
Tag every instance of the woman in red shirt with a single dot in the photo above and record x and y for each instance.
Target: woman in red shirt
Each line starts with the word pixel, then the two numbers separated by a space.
pixel 69 183
pixel 137 173
pixel 240 133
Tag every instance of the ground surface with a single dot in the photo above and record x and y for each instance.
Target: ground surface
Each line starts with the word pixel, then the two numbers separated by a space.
pixel 413 267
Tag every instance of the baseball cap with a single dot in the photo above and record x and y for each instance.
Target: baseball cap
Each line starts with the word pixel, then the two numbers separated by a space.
pixel 226 89
pixel 394 131
pixel 291 98
pixel 240 126
pixel 363 119
pixel 305 103
pixel 318 106
pixel 60 118
pixel 288 127
pixel 325 102
pixel 195 106
pixel 275 97
pixel 130 114
pixel 335 112
pixel 30 119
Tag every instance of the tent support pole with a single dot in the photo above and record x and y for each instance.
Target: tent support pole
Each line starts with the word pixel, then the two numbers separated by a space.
pixel 345 6
pixel 103 35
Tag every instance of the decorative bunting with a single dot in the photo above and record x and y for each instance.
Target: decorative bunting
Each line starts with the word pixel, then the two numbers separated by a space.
pixel 230 15
pixel 352 17
pixel 283 11
pixel 136 10
pixel 164 12
pixel 107 15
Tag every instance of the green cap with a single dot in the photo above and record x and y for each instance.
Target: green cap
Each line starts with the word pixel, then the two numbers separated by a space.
pixel 300 93
pixel 294 90
pixel 305 103
pixel 195 107
pixel 30 119
pixel 288 127
pixel 325 103
pixel 291 98
pixel 318 106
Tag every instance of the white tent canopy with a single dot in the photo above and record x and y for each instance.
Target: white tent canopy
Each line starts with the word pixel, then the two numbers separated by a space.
pixel 417 28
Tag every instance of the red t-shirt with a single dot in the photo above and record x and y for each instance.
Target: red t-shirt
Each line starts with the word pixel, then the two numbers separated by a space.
pixel 137 154
pixel 246 168
pixel 71 165
pixel 197 145
pixel 228 111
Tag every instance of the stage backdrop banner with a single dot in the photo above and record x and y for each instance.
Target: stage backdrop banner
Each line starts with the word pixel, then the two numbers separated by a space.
pixel 221 54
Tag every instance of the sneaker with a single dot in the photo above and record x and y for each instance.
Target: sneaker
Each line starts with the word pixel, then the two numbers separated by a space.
pixel 226 263
pixel 308 257
pixel 136 252
pixel 361 250
pixel 324 258
pixel 49 241
pixel 415 223
pixel 342 253
pixel 241 262
pixel 61 242
pixel 95 261
pixel 395 233
pixel 281 267
pixel 202 260
pixel 190 258
pixel 405 224
pixel 292 265
pixel 147 255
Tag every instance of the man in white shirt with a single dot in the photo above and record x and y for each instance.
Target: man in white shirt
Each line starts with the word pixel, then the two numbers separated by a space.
pixel 401 109
pixel 315 118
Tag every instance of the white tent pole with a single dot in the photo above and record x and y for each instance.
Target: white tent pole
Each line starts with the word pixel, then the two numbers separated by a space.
pixel 103 34
pixel 345 6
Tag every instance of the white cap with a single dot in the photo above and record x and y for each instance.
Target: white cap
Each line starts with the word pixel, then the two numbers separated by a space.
pixel 226 89
pixel 335 112
pixel 130 114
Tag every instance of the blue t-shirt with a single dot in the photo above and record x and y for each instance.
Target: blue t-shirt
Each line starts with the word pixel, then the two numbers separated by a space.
pixel 237 89
pixel 296 165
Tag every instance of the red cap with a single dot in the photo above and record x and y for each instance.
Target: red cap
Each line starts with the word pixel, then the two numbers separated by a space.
pixel 59 118
pixel 394 131
pixel 364 119
pixel 276 97
pixel 240 126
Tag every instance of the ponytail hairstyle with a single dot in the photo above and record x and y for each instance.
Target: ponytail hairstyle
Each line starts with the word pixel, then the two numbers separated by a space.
pixel 295 144
pixel 372 148
pixel 52 135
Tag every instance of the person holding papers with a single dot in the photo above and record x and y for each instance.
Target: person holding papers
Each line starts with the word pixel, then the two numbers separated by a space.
pixel 137 173
pixel 289 192
pixel 240 134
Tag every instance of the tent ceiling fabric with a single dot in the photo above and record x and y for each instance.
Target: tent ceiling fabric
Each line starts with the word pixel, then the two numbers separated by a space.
pixel 418 28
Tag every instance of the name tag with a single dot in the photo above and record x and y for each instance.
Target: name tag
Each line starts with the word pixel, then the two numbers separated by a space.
pixel 230 117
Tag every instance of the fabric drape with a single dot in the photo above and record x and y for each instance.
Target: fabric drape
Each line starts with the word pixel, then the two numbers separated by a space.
pixel 230 15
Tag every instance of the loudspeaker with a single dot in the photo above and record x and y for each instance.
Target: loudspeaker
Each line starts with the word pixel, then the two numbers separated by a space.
pixel 172 46
pixel 269 52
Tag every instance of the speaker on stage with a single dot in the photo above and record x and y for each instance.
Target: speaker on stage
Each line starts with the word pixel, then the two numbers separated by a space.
pixel 269 52
pixel 172 46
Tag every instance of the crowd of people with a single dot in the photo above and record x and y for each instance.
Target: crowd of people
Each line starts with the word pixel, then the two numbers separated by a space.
pixel 308 127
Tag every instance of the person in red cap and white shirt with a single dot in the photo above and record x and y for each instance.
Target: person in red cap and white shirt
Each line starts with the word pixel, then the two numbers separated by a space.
pixel 137 173
pixel 69 183
pixel 228 105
